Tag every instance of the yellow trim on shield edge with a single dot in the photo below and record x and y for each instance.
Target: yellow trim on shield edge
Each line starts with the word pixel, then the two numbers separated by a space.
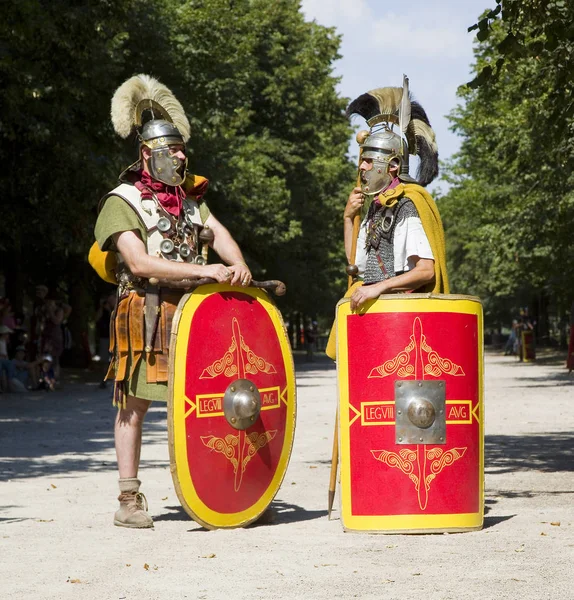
pixel 203 512
pixel 403 523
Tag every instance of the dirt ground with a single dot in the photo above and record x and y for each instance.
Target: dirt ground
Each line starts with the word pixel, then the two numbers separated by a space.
pixel 58 488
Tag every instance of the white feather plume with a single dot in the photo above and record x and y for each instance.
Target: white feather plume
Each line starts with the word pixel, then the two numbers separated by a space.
pixel 405 107
pixel 138 89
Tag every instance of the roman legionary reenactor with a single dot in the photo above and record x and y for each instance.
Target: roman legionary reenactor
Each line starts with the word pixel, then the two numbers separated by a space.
pixel 399 244
pixel 408 354
pixel 152 235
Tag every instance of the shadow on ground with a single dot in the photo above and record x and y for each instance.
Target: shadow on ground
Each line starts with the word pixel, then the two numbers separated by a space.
pixel 68 431
pixel 544 356
pixel 319 362
pixel 545 452
pixel 75 424
pixel 63 432
pixel 557 379
pixel 278 513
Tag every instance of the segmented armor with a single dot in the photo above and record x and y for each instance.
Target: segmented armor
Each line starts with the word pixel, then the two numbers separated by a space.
pixel 381 225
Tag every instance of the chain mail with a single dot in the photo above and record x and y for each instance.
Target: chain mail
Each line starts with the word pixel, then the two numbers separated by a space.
pixel 379 244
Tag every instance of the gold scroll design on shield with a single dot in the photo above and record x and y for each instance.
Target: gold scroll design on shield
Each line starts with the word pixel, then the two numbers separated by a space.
pixel 422 475
pixel 418 360
pixel 403 364
pixel 239 454
pixel 239 360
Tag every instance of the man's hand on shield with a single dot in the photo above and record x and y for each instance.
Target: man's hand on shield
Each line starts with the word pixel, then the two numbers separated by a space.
pixel 366 292
pixel 241 274
pixel 219 272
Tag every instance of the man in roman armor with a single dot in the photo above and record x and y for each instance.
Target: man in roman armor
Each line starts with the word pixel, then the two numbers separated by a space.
pixel 399 244
pixel 152 226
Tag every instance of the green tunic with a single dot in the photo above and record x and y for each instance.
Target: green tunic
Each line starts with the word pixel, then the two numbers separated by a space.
pixel 117 216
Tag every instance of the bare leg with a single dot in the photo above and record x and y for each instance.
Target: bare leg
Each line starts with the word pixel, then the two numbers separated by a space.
pixel 128 435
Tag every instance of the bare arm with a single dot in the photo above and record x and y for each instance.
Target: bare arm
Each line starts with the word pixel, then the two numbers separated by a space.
pixel 228 250
pixel 133 251
pixel 421 274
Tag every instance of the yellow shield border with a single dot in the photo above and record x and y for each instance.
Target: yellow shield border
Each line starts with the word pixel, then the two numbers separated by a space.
pixel 407 523
pixel 176 411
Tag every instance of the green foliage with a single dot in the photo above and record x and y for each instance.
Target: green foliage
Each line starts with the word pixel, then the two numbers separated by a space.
pixel 509 214
pixel 268 128
pixel 270 133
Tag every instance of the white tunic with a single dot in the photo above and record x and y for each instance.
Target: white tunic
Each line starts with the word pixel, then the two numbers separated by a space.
pixel 410 240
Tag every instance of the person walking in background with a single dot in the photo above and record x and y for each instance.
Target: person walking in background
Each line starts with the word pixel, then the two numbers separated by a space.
pixel 103 320
pixel 52 337
pixel 310 339
pixel 525 342
pixel 511 342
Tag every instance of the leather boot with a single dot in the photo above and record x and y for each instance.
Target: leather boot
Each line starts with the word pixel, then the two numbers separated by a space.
pixel 133 506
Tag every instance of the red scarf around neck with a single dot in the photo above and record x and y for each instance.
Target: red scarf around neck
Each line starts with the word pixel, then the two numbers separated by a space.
pixel 170 197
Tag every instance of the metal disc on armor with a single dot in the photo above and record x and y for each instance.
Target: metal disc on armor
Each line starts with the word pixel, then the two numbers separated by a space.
pixel 411 414
pixel 164 224
pixel 166 246
pixel 231 404
pixel 199 260
pixel 184 250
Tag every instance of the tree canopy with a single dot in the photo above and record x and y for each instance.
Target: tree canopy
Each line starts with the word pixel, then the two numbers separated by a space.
pixel 268 130
pixel 509 214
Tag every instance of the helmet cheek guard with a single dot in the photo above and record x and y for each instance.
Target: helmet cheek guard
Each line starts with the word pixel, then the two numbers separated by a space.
pixel 385 148
pixel 376 179
pixel 167 168
pixel 158 135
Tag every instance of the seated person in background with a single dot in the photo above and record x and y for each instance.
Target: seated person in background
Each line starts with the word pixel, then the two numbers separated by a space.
pixel 24 372
pixel 46 379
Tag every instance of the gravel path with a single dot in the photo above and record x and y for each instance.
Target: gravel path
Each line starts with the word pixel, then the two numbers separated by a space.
pixel 58 493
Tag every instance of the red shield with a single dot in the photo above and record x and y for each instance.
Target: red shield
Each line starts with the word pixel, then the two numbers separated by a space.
pixel 388 484
pixel 227 477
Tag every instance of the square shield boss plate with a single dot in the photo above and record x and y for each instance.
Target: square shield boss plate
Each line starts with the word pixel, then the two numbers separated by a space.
pixel 420 412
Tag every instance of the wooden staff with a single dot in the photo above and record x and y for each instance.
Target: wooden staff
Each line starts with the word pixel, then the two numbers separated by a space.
pixel 352 271
pixel 273 285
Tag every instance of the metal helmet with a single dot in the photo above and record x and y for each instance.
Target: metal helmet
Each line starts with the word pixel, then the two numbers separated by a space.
pixel 144 104
pixel 386 149
pixel 159 135
pixel 384 109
